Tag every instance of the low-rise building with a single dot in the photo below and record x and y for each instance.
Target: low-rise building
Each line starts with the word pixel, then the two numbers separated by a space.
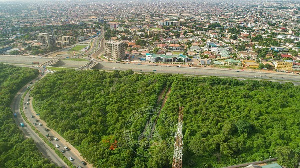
pixel 296 67
pixel 283 65
pixel 250 64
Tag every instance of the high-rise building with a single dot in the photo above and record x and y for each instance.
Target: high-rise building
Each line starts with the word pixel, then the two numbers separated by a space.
pixel 115 49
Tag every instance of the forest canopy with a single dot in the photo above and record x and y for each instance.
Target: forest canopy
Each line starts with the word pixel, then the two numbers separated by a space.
pixel 122 119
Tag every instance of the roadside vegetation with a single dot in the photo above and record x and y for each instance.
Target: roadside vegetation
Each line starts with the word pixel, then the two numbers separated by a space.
pixel 15 150
pixel 226 121
pixel 78 47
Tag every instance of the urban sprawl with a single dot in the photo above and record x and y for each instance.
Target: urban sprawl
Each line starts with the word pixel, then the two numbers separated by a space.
pixel 245 35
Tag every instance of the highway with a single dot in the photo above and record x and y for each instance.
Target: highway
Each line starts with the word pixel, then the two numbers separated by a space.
pixel 41 126
pixel 205 71
pixel 43 148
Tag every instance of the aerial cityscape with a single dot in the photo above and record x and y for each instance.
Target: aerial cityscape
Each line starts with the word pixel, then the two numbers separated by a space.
pixel 168 83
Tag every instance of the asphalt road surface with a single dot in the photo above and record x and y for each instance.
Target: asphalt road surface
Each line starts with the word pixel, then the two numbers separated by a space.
pixel 60 142
pixel 44 148
pixel 204 71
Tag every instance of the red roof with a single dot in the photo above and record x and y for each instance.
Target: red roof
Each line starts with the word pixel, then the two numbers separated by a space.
pixel 286 56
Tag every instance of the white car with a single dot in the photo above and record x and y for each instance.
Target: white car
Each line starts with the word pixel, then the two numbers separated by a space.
pixel 66 148
pixel 56 139
pixel 56 145
pixel 40 124
pixel 71 159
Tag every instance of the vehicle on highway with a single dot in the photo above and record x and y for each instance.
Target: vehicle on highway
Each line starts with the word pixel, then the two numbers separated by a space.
pixel 32 116
pixel 40 124
pixel 56 139
pixel 56 145
pixel 63 151
pixel 83 162
pixel 66 148
pixel 46 129
pixel 71 159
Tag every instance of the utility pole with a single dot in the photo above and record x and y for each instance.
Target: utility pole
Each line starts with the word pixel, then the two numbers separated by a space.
pixel 178 145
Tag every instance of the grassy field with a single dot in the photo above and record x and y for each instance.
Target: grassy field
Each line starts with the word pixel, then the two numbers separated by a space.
pixel 177 52
pixel 57 68
pixel 78 47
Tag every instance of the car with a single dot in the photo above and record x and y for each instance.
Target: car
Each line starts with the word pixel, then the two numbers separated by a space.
pixel 63 151
pixel 32 116
pixel 83 162
pixel 66 148
pixel 56 145
pixel 25 107
pixel 40 124
pixel 71 159
pixel 46 129
pixel 56 139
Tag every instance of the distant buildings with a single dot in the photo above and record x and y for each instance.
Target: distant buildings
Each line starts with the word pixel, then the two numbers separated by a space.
pixel 46 40
pixel 49 40
pixel 115 49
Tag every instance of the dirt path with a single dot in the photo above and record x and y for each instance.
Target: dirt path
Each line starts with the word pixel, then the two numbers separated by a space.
pixel 162 105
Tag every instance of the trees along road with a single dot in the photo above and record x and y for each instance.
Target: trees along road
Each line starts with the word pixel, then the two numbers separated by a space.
pixel 41 126
pixel 27 130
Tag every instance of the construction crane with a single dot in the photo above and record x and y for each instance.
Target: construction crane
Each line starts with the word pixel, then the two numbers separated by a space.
pixel 178 145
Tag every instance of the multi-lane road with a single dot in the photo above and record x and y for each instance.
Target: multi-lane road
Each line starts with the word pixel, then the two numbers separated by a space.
pixel 55 139
pixel 205 71
pixel 44 148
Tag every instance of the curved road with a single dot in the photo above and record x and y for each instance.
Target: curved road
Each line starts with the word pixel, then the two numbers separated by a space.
pixel 41 126
pixel 44 148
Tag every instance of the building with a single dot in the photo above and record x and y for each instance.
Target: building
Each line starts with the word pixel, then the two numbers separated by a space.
pixel 296 67
pixel 166 58
pixel 44 38
pixel 250 64
pixel 63 41
pixel 115 50
pixel 113 25
pixel 284 65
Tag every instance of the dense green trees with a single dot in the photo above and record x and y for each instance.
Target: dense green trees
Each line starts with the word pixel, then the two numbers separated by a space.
pixel 109 117
pixel 15 150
